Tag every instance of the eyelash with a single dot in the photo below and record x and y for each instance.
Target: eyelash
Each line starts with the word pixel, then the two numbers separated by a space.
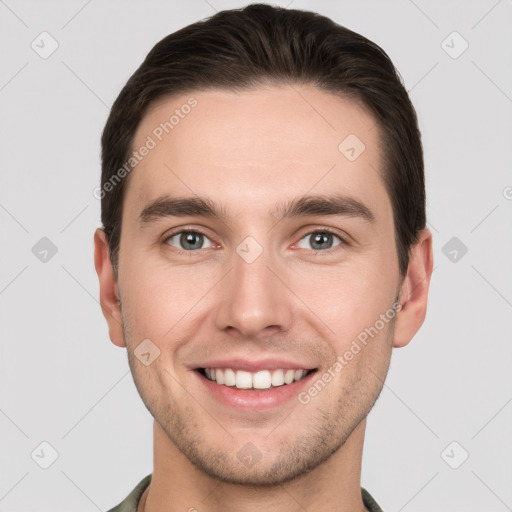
pixel 181 252
pixel 342 240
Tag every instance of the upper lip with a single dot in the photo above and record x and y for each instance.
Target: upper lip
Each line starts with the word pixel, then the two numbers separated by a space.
pixel 253 365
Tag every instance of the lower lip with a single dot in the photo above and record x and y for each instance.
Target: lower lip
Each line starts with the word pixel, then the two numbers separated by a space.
pixel 255 399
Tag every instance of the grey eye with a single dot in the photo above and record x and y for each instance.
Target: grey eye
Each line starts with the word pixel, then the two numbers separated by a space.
pixel 319 240
pixel 189 240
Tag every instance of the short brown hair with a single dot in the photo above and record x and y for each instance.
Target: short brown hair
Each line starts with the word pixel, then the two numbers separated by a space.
pixel 242 48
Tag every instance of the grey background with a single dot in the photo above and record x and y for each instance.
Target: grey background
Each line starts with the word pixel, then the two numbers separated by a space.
pixel 63 382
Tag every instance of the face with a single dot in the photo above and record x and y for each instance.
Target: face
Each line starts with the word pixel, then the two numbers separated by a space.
pixel 258 247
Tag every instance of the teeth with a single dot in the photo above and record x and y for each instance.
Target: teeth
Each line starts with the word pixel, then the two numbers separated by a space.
pixel 289 376
pixel 263 379
pixel 229 377
pixel 243 380
pixel 277 378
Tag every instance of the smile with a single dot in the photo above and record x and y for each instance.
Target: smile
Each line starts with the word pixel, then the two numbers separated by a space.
pixel 263 379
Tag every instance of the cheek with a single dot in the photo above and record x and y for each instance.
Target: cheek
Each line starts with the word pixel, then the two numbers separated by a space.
pixel 348 301
pixel 157 297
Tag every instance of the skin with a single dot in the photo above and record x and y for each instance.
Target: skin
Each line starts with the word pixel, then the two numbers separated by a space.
pixel 248 152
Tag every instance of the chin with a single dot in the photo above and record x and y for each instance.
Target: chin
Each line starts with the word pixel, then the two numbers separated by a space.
pixel 250 466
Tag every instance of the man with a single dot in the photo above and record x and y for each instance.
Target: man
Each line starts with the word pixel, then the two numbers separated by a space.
pixel 264 248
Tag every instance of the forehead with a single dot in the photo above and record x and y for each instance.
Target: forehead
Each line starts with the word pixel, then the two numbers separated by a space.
pixel 262 143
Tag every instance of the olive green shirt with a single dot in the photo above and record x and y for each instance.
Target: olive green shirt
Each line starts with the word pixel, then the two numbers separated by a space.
pixel 131 502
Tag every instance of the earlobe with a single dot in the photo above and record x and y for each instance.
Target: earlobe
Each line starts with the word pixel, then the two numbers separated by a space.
pixel 414 290
pixel 109 291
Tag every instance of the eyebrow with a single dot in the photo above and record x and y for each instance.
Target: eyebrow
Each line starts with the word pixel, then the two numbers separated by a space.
pixel 318 205
pixel 167 206
pixel 312 205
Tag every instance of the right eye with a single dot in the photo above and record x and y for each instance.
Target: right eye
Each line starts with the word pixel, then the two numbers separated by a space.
pixel 189 240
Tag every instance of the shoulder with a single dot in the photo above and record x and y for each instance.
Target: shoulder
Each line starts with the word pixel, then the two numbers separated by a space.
pixel 369 502
pixel 129 504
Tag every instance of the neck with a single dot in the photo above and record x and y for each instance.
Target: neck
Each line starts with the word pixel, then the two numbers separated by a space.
pixel 177 485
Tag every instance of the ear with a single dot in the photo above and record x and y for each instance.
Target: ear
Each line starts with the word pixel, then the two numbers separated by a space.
pixel 414 290
pixel 109 293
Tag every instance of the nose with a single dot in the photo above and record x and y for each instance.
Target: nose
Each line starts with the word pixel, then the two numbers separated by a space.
pixel 255 302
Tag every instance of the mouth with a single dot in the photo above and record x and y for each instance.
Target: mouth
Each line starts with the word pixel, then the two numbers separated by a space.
pixel 260 380
pixel 253 385
pixel 257 381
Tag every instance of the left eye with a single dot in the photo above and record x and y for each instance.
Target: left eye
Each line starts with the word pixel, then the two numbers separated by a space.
pixel 189 240
pixel 319 240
